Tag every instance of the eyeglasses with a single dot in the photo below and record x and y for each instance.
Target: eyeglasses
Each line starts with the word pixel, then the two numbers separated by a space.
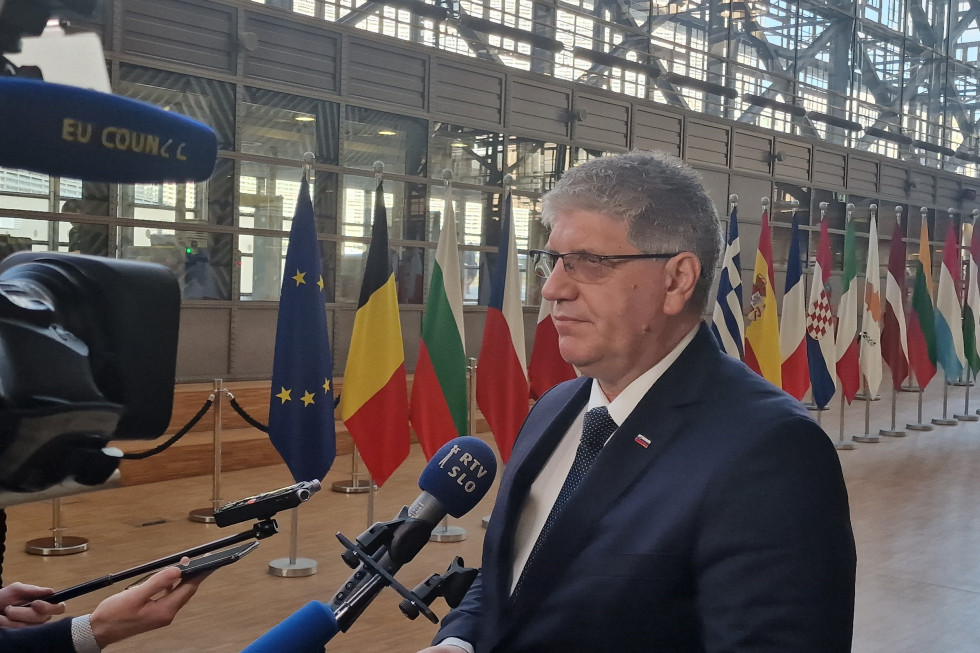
pixel 581 266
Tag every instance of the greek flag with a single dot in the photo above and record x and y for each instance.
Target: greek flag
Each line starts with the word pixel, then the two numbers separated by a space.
pixel 726 322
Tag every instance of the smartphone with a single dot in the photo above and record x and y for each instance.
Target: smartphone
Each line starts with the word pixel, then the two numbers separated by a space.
pixel 216 559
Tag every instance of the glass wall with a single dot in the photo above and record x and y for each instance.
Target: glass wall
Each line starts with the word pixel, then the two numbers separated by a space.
pixel 906 69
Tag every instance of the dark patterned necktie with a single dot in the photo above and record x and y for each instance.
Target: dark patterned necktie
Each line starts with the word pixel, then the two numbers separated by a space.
pixel 596 430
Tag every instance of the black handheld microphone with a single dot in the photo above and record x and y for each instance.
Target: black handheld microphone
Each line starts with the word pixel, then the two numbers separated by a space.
pixel 84 134
pixel 453 482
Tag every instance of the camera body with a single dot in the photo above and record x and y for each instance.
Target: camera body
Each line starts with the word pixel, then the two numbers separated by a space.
pixel 88 349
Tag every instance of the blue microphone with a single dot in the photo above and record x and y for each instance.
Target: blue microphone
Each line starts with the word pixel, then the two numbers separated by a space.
pixel 453 482
pixel 84 134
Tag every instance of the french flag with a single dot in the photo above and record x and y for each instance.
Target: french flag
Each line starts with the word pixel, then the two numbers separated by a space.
pixel 792 330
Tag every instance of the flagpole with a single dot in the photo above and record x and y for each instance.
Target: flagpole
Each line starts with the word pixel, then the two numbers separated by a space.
pixel 294 566
pixel 471 412
pixel 206 515
pixel 842 444
pixel 868 436
pixel 444 532
pixel 355 484
pixel 945 420
pixel 894 431
pixel 920 425
pixel 967 416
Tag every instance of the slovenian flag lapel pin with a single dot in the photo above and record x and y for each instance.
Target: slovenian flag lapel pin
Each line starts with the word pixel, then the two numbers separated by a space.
pixel 642 440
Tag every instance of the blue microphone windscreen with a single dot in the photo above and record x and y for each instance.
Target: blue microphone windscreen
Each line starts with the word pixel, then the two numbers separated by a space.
pixel 305 631
pixel 75 132
pixel 460 474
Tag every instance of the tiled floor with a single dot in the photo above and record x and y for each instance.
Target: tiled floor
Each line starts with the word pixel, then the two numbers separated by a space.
pixel 915 508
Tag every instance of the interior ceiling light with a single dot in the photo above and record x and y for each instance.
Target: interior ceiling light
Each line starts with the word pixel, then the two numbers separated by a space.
pixel 457 144
pixel 305 118
pixel 387 132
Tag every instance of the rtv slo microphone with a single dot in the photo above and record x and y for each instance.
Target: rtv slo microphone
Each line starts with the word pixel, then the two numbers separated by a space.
pixel 453 482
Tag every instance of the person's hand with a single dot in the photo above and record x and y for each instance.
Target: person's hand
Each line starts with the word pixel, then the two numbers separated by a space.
pixel 147 606
pixel 35 612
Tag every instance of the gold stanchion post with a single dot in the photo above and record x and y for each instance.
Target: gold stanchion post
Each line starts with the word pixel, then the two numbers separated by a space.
pixel 58 544
pixel 206 515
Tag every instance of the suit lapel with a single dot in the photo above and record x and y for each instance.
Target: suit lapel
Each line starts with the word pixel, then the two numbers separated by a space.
pixel 618 467
pixel 544 428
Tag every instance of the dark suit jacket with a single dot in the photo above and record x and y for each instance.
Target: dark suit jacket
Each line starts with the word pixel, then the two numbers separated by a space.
pixel 52 637
pixel 729 532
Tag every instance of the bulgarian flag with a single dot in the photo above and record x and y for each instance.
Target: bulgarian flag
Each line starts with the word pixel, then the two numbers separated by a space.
pixel 848 370
pixel 971 309
pixel 374 399
pixel 762 332
pixel 922 319
pixel 438 406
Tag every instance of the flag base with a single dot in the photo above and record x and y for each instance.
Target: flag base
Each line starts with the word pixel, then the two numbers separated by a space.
pixel 891 433
pixel 918 427
pixel 844 446
pixel 910 388
pixel 944 421
pixel 447 534
pixel 861 396
pixel 353 486
pixel 65 545
pixel 295 568
pixel 866 438
pixel 968 418
pixel 813 406
pixel 202 515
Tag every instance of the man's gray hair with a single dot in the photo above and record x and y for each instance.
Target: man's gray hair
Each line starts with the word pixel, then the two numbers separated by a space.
pixel 660 198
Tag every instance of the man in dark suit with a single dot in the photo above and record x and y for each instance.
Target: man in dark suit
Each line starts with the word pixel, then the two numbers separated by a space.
pixel 714 517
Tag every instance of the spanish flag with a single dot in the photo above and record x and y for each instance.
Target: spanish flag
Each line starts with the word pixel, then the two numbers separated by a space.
pixel 374 400
pixel 762 332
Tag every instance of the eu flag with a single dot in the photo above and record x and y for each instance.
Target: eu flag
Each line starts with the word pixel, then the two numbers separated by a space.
pixel 301 423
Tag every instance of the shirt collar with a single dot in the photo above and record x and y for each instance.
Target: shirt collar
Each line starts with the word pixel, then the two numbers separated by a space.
pixel 623 405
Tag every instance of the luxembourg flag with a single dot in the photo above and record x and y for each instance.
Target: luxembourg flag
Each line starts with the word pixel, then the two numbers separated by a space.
pixel 501 376
pixel 949 315
pixel 792 328
pixel 821 351
pixel 894 333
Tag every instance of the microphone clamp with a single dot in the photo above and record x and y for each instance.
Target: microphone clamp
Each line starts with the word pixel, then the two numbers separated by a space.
pixel 452 585
pixel 351 606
